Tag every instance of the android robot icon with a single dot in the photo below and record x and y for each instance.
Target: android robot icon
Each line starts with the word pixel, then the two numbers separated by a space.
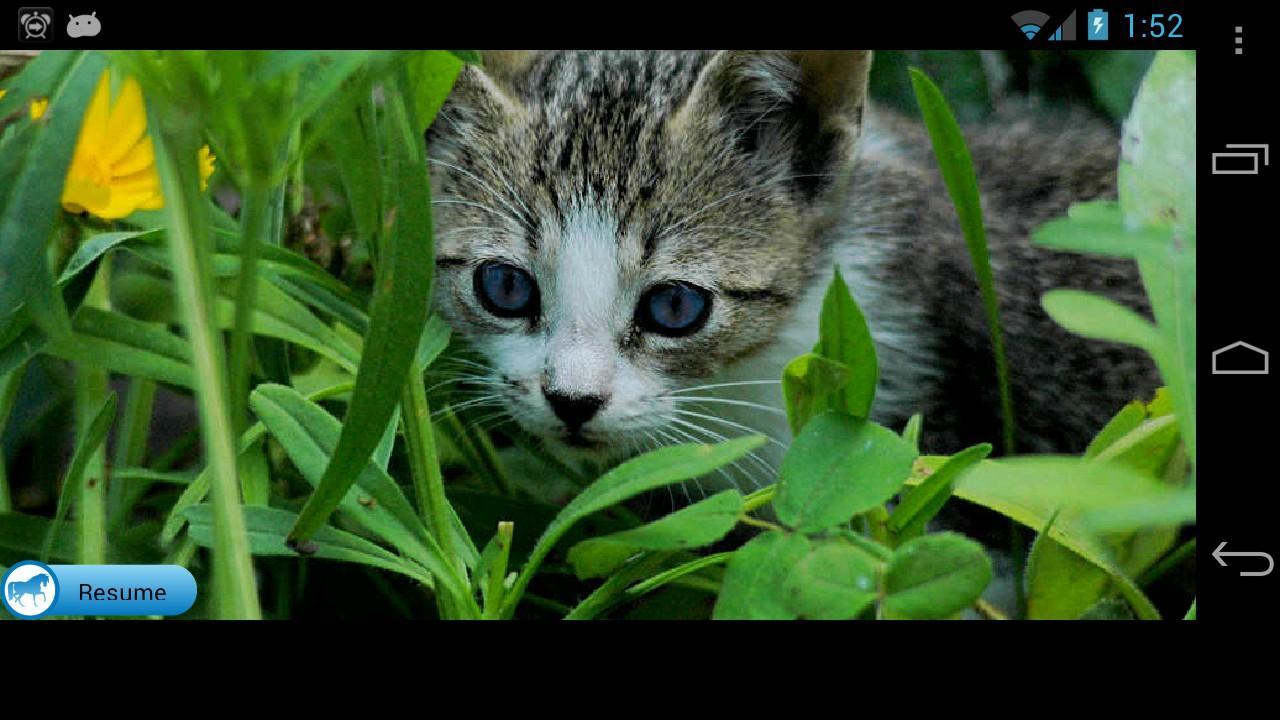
pixel 84 25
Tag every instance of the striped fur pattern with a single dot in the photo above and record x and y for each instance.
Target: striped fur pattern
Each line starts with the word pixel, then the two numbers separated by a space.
pixel 748 174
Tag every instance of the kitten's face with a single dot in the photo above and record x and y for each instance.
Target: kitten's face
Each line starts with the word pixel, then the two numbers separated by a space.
pixel 613 227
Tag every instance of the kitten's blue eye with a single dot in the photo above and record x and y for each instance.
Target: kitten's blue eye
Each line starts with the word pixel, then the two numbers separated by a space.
pixel 506 290
pixel 674 309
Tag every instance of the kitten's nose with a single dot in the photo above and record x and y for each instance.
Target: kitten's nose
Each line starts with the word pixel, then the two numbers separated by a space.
pixel 574 410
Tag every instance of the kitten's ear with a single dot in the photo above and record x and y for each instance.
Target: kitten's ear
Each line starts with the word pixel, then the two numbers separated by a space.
pixel 801 106
pixel 494 84
pixel 484 98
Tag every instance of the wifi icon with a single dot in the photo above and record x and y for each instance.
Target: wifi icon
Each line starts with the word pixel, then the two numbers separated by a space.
pixel 1030 22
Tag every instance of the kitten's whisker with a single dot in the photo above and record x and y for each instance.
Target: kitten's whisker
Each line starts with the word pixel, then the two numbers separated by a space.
pixel 657 443
pixel 768 469
pixel 480 421
pixel 736 425
pixel 713 386
pixel 686 435
pixel 727 401
pixel 491 191
pixel 716 437
pixel 467 362
pixel 492 167
pixel 696 484
pixel 474 402
pixel 487 382
pixel 481 206
pixel 468 228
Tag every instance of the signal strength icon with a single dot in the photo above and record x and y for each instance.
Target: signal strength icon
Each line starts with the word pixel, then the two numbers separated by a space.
pixel 1031 22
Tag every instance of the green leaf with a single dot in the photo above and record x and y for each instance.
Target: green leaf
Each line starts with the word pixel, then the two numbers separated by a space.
pixel 1146 448
pixel 31 207
pixel 956 166
pixel 655 469
pixel 1129 418
pixel 308 434
pixel 23 537
pixel 199 487
pixel 435 338
pixel 808 382
pixel 1172 508
pixel 277 315
pixel 267 528
pixel 1031 490
pixel 754 581
pixel 1097 317
pixel 471 57
pixel 39 78
pixel 1099 228
pixel 398 316
pixel 834 582
pixel 94 248
pixel 1157 174
pixel 668 576
pixel 843 337
pixel 1060 584
pixel 839 467
pixel 355 148
pixel 94 436
pixel 121 344
pixel 255 476
pixel 911 433
pixel 431 77
pixel 934 577
pixel 923 502
pixel 699 524
pixel 1108 609
pixel 491 569
pixel 1157 186
pixel 321 81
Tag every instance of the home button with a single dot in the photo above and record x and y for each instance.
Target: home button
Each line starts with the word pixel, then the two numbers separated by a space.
pixel 1241 358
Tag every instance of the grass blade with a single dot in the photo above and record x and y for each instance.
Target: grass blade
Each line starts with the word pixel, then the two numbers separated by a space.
pixel 957 172
pixel 398 316
pixel 176 149
pixel 31 208
pixel 92 438
pixel 652 470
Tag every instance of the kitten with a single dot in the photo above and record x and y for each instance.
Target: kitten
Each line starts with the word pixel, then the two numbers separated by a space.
pixel 638 241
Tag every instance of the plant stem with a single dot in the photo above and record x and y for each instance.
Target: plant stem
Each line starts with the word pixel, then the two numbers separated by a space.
pixel 498 573
pixel 91 392
pixel 131 449
pixel 1167 563
pixel 255 230
pixel 235 591
pixel 9 385
pixel 746 519
pixel 428 488
pixel 988 611
pixel 759 498
pixel 613 589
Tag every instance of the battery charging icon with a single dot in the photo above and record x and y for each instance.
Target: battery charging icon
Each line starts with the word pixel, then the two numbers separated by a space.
pixel 1099 28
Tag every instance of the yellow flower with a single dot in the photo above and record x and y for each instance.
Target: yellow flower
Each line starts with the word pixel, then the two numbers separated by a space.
pixel 113 171
pixel 207 159
pixel 37 107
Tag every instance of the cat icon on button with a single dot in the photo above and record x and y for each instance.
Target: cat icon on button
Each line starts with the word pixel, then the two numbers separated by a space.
pixel 84 25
